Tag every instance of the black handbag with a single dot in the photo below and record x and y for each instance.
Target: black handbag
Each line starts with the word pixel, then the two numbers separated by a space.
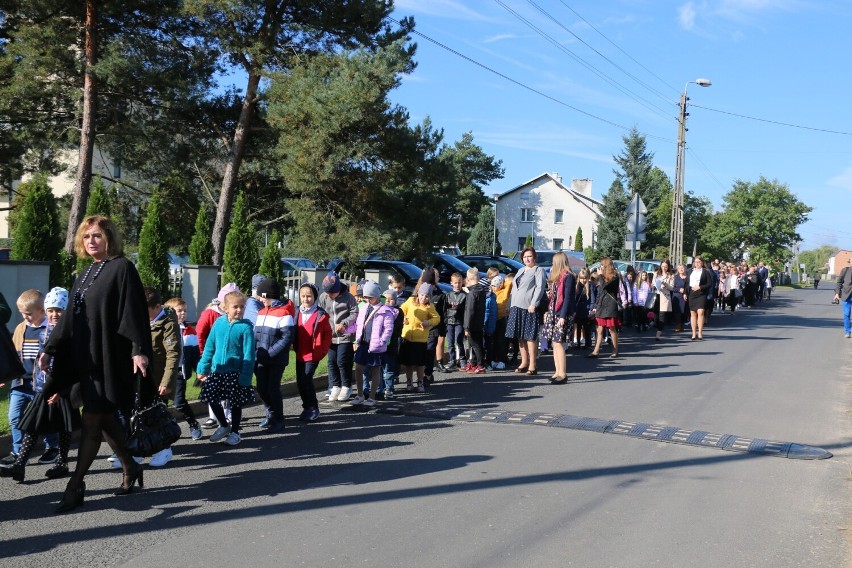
pixel 152 428
pixel 10 362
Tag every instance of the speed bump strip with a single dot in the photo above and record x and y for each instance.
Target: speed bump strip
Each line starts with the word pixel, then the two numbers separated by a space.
pixel 645 431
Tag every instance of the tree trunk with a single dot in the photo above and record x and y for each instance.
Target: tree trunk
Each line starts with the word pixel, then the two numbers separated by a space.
pixel 87 131
pixel 232 169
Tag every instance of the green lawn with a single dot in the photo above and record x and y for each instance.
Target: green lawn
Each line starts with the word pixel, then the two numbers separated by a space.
pixel 191 391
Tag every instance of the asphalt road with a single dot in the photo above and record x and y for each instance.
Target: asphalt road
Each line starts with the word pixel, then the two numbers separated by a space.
pixel 425 487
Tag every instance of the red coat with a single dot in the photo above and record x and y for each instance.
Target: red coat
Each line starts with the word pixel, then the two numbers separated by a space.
pixel 314 340
pixel 205 323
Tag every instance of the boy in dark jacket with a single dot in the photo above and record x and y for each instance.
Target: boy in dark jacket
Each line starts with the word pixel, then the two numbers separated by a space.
pixel 273 335
pixel 474 321
pixel 454 316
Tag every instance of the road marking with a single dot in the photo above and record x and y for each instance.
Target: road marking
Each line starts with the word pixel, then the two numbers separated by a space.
pixel 645 431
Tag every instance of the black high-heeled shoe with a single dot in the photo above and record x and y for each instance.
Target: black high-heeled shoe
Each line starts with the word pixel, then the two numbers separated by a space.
pixel 130 478
pixel 16 472
pixel 72 500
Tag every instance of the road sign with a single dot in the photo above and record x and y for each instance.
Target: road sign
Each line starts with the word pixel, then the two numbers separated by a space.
pixel 630 237
pixel 632 245
pixel 636 215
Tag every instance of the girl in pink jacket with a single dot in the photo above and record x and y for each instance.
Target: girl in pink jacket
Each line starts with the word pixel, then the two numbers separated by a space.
pixel 373 330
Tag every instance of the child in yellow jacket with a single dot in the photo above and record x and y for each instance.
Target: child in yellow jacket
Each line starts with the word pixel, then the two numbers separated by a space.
pixel 419 316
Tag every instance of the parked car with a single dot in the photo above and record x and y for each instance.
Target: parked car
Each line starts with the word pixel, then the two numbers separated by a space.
pixel 483 262
pixel 288 268
pixel 409 272
pixel 576 259
pixel 621 265
pixel 300 262
pixel 448 265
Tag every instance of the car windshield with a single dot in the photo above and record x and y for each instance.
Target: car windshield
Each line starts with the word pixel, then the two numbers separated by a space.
pixel 411 271
pixel 457 264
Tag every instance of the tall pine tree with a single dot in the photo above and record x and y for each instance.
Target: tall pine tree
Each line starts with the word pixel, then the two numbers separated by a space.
pixel 153 263
pixel 99 204
pixel 613 223
pixel 242 257
pixel 578 240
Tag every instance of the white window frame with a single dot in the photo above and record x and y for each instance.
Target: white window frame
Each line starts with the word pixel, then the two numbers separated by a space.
pixel 558 216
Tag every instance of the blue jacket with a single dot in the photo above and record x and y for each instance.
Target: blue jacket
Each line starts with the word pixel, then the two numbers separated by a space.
pixel 229 348
pixel 274 333
pixel 490 313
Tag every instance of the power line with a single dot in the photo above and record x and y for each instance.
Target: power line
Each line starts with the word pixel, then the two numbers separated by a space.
pixel 581 61
pixel 522 85
pixel 774 121
pixel 705 168
pixel 617 47
pixel 607 59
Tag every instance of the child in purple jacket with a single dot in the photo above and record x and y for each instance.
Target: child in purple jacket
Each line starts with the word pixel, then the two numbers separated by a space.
pixel 373 330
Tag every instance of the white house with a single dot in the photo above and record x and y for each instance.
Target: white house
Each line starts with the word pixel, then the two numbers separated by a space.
pixel 549 211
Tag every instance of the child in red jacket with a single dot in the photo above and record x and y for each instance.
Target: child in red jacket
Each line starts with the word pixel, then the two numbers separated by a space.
pixel 313 339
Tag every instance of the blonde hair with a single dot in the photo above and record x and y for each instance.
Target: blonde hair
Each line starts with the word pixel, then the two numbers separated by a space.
pixel 233 296
pixel 456 276
pixel 584 273
pixel 105 224
pixel 174 303
pixel 559 267
pixel 492 272
pixel 473 273
pixel 30 299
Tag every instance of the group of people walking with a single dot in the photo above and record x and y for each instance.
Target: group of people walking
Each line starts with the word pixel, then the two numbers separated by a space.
pixel 111 339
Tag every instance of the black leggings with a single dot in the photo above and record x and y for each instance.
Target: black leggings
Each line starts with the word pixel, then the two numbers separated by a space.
pixel 219 412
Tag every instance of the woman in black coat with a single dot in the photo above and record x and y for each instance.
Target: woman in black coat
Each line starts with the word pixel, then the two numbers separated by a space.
pixel 699 283
pixel 101 342
pixel 679 294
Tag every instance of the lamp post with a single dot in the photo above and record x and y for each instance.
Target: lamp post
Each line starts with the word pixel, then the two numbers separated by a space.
pixel 676 234
pixel 494 228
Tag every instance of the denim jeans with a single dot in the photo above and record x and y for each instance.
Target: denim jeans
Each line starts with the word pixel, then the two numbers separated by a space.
pixel 455 343
pixel 18 402
pixel 390 370
pixel 305 383
pixel 847 324
pixel 269 389
pixel 340 357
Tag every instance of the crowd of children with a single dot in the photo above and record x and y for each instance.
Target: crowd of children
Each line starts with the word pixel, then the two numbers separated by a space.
pixel 377 334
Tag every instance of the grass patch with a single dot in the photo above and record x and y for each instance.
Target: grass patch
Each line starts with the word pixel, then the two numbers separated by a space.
pixel 191 390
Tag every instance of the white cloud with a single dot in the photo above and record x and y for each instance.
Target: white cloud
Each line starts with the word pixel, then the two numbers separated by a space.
pixel 842 180
pixel 686 16
pixel 443 8
pixel 499 37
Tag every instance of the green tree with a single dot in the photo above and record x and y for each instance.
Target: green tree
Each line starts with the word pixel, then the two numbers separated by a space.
pixel 266 38
pixel 529 241
pixel 35 232
pixel 613 222
pixel 473 169
pixel 98 204
pixel 484 239
pixel 201 248
pixel 242 254
pixel 153 261
pixel 697 218
pixel 761 218
pixel 578 239
pixel 271 264
pixel 360 179
pixel 816 260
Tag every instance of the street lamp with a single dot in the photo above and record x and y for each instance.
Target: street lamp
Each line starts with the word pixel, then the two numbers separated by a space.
pixel 494 228
pixel 676 235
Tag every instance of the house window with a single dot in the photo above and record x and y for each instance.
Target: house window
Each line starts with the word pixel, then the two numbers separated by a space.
pixel 522 241
pixel 557 216
pixel 527 215
pixel 557 243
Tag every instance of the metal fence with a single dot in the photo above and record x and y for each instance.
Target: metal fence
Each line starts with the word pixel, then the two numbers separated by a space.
pixel 290 282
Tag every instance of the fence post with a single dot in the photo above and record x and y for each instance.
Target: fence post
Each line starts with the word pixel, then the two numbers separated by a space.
pixel 200 285
pixel 380 277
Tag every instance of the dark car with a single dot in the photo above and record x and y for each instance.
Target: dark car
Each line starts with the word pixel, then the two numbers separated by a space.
pixel 410 272
pixel 300 262
pixel 483 262
pixel 544 258
pixel 4 253
pixel 447 265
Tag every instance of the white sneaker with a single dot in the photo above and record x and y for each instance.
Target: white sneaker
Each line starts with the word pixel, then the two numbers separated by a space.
pixel 161 458
pixel 335 392
pixel 345 393
pixel 358 400
pixel 370 402
pixel 112 459
pixel 220 433
pixel 233 439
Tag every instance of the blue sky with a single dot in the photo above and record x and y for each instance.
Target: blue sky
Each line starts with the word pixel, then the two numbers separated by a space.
pixel 785 61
